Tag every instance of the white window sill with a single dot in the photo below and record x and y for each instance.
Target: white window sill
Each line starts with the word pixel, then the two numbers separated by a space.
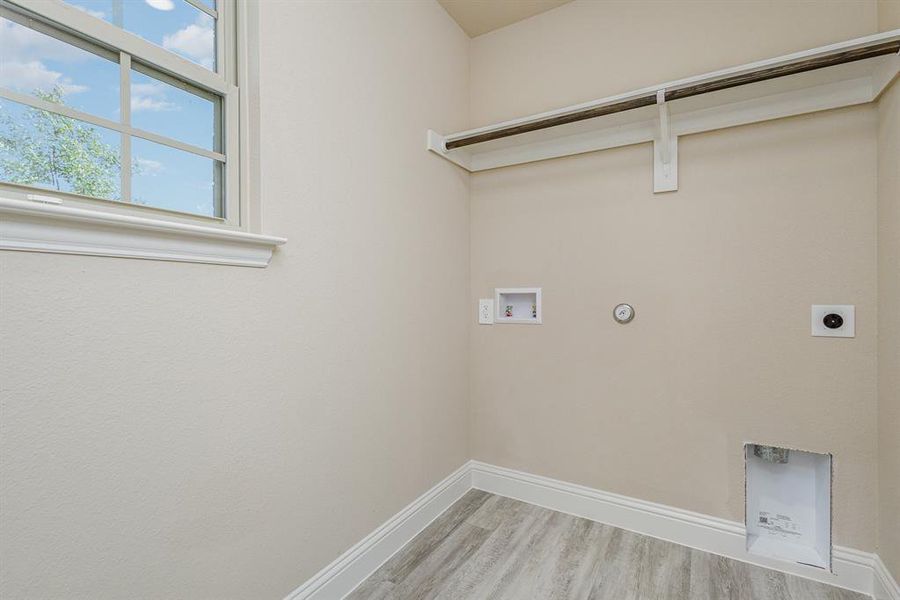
pixel 31 226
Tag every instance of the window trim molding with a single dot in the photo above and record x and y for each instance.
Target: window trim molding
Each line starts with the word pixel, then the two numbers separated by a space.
pixel 118 40
pixel 39 226
pixel 231 50
pixel 36 220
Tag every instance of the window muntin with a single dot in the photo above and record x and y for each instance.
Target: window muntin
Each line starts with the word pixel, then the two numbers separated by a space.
pixel 179 112
pixel 169 178
pixel 175 118
pixel 38 64
pixel 48 150
pixel 180 26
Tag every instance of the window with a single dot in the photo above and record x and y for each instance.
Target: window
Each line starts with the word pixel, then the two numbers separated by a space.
pixel 122 104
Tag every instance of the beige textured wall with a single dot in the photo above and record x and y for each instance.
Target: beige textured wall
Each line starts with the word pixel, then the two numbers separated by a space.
pixel 189 431
pixel 769 219
pixel 889 310
pixel 889 327
pixel 586 50
pixel 888 14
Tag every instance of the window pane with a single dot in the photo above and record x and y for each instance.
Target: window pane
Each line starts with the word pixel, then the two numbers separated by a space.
pixel 165 177
pixel 173 24
pixel 48 150
pixel 43 66
pixel 170 111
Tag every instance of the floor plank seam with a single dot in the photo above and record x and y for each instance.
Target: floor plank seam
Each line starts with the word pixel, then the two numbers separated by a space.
pixel 535 552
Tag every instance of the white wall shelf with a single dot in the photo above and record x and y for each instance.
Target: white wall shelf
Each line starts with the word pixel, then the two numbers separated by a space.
pixel 663 120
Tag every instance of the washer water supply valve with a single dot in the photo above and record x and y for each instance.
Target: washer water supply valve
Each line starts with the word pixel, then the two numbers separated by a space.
pixel 778 456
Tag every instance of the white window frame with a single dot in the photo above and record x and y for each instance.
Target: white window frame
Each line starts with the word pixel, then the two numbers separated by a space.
pixel 233 53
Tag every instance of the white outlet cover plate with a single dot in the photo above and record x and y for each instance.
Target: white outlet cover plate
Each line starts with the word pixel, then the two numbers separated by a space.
pixel 847 311
pixel 486 311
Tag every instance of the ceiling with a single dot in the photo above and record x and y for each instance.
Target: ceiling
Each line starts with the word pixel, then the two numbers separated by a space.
pixel 481 16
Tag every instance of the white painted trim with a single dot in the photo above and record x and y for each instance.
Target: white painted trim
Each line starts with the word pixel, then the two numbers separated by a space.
pixel 665 171
pixel 70 17
pixel 853 569
pixel 886 587
pixel 40 227
pixel 825 89
pixel 437 144
pixel 246 72
pixel 665 149
pixel 885 74
pixel 353 567
pixel 587 136
pixel 72 26
pixel 200 6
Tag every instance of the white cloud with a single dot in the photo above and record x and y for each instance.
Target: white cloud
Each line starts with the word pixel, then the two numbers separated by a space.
pixel 150 97
pixel 33 75
pixel 21 44
pixel 196 41
pixel 161 4
pixel 147 166
pixel 151 105
pixel 24 50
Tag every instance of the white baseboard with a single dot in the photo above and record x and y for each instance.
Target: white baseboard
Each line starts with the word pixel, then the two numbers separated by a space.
pixel 353 567
pixel 853 569
pixel 886 587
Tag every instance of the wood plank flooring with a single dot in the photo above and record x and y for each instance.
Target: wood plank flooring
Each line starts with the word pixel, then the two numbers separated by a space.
pixel 488 547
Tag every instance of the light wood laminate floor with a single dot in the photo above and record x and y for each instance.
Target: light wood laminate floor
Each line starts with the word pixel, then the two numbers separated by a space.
pixel 488 547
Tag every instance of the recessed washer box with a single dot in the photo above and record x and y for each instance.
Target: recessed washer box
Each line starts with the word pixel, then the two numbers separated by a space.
pixel 518 305
pixel 788 504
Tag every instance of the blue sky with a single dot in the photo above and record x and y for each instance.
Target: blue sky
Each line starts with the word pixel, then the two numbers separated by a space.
pixel 167 178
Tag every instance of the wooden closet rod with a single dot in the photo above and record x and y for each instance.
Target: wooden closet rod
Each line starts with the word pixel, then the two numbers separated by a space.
pixel 723 83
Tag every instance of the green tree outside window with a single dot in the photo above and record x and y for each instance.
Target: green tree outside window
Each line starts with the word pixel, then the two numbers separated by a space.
pixel 52 150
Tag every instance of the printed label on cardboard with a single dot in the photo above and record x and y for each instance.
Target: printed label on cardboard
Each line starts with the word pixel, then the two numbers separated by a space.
pixel 778 525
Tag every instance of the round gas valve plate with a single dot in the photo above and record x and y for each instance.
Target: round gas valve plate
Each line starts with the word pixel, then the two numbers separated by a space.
pixel 623 313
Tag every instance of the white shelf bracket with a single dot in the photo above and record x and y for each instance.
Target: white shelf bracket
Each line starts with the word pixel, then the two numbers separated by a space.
pixel 665 150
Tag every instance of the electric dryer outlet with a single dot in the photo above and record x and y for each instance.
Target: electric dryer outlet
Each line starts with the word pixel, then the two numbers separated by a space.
pixel 834 320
